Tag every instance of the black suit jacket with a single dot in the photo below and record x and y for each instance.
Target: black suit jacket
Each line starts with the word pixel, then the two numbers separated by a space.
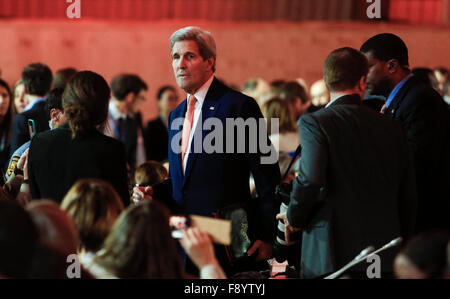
pixel 426 119
pixel 20 133
pixel 214 181
pixel 56 162
pixel 156 137
pixel 355 186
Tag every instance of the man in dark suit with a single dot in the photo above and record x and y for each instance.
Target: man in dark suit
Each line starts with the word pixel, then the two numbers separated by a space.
pixel 203 181
pixel 355 186
pixel 156 134
pixel 37 79
pixel 425 118
pixel 124 119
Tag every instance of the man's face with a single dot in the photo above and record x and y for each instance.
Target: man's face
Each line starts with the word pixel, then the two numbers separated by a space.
pixel 319 94
pixel 190 70
pixel 378 77
pixel 168 101
pixel 137 101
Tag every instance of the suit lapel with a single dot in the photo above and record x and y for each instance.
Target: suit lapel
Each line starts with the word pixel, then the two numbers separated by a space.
pixel 180 114
pixel 392 109
pixel 209 109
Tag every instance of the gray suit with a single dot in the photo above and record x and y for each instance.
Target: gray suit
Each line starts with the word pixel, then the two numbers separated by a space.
pixel 355 188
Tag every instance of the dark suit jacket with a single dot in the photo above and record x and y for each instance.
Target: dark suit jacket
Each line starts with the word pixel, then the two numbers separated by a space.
pixel 214 181
pixel 156 137
pixel 20 133
pixel 56 162
pixel 355 186
pixel 426 119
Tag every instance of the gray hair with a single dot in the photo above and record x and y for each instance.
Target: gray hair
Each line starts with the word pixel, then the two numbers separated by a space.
pixel 205 41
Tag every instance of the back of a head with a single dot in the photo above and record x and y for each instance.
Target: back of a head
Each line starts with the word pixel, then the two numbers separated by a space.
pixel 140 244
pixel 292 90
pixel 426 76
pixel 203 39
pixel 344 68
pixel 123 84
pixel 428 252
pixel 162 90
pixel 279 109
pixel 62 77
pixel 54 100
pixel 94 206
pixel 18 240
pixel 150 173
pixel 37 78
pixel 56 229
pixel 85 102
pixel 386 46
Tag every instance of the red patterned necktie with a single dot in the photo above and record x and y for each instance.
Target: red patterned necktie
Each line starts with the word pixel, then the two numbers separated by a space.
pixel 187 127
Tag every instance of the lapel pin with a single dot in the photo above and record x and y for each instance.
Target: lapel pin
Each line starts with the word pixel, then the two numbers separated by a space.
pixel 211 108
pixel 392 111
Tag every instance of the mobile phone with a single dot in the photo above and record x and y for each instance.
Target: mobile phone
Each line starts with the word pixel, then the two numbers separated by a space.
pixel 31 127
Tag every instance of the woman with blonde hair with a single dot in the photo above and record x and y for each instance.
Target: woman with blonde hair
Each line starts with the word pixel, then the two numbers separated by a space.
pixel 94 206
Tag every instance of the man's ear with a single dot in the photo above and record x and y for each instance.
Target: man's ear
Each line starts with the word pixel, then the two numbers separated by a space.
pixel 129 98
pixel 210 61
pixel 363 83
pixel 392 65
pixel 54 114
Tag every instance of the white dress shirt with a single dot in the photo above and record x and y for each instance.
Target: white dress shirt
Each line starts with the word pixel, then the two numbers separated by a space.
pixel 200 95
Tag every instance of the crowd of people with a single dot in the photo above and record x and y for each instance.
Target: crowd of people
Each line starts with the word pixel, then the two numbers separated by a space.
pixel 84 176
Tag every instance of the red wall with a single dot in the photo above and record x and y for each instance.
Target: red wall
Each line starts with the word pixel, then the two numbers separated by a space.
pixel 272 51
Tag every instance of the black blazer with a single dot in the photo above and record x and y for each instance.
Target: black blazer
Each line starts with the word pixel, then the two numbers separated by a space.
pixel 56 162
pixel 426 119
pixel 355 186
pixel 156 137
pixel 20 132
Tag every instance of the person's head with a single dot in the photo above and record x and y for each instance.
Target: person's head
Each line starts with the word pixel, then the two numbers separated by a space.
pixel 85 102
pixel 56 229
pixel 167 99
pixel 256 88
pixel 140 244
pixel 20 102
pixel 193 53
pixel 62 77
pixel 150 173
pixel 387 55
pixel 297 98
pixel 426 76
pixel 278 108
pixel 130 91
pixel 54 108
pixel 18 240
pixel 425 256
pixel 446 88
pixel 94 206
pixel 345 70
pixel 5 100
pixel 320 96
pixel 37 79
pixel 441 74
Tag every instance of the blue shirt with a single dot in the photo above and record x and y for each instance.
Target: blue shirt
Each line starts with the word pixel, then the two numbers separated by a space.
pixel 396 90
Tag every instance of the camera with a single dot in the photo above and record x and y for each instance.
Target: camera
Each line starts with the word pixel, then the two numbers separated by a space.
pixel 283 250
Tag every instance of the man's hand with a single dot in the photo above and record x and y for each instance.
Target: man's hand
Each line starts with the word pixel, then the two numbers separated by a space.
pixel 264 250
pixel 139 194
pixel 288 229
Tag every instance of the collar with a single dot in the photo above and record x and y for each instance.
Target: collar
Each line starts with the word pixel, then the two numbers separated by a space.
pixel 331 102
pixel 396 89
pixel 352 98
pixel 34 103
pixel 200 94
pixel 114 112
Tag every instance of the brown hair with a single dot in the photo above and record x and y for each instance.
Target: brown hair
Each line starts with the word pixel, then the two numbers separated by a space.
pixel 94 205
pixel 7 121
pixel 343 69
pixel 85 102
pixel 278 108
pixel 150 173
pixel 140 244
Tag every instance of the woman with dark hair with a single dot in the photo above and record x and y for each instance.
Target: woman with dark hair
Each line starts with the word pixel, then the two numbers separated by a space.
pixel 78 149
pixel 6 117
